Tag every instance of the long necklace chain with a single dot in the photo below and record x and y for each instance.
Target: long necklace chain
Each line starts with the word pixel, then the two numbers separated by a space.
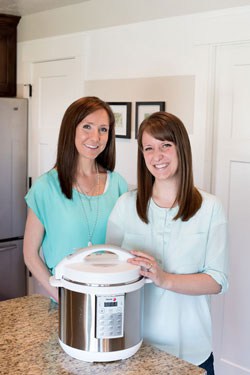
pixel 90 233
pixel 88 193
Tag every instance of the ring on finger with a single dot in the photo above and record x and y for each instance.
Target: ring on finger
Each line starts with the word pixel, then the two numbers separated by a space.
pixel 150 266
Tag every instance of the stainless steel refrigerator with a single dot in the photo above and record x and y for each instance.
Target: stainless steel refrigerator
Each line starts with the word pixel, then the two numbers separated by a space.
pixel 13 187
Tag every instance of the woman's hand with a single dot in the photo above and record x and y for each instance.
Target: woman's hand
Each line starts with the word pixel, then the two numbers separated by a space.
pixel 149 267
pixel 190 284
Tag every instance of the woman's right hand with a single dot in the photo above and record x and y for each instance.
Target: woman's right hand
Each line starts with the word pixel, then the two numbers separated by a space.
pixel 149 267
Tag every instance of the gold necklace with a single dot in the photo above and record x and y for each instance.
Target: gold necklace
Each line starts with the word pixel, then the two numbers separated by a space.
pixel 90 233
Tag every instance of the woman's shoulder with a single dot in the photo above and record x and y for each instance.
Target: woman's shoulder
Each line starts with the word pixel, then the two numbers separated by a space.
pixel 208 197
pixel 48 177
pixel 43 188
pixel 211 202
pixel 117 178
pixel 46 180
pixel 128 198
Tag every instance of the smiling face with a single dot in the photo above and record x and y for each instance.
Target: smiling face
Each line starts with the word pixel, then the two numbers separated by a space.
pixel 92 134
pixel 160 157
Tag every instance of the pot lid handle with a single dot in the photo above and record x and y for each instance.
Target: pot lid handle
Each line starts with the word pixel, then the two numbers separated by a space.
pixel 81 254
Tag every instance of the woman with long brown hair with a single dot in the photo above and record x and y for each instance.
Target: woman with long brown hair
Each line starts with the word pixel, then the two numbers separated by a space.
pixel 178 236
pixel 69 205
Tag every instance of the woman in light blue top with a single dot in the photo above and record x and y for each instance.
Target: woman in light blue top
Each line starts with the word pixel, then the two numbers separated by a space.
pixel 178 235
pixel 69 205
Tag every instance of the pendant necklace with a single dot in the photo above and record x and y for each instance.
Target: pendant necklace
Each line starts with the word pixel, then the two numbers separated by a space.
pixel 79 190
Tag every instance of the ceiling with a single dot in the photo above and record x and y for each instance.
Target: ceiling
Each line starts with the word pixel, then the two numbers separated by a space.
pixel 175 7
pixel 25 7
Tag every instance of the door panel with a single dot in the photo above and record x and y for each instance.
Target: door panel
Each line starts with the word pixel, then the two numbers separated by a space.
pixel 56 85
pixel 231 182
pixel 13 166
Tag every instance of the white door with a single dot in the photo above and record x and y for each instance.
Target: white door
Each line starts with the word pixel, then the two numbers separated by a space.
pixel 231 182
pixel 56 84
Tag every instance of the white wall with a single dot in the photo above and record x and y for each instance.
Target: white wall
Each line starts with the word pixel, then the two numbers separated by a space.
pixel 155 48
pixel 166 47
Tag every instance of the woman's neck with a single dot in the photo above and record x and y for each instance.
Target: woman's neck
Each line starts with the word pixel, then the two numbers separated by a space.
pixel 86 168
pixel 164 193
pixel 90 178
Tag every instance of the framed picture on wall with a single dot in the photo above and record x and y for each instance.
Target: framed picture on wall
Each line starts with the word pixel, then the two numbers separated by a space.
pixel 122 112
pixel 144 110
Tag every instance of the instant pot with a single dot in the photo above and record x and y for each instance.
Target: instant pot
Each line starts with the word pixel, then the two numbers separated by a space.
pixel 100 304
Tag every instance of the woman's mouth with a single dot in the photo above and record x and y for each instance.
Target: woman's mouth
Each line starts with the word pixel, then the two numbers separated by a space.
pixel 160 166
pixel 92 147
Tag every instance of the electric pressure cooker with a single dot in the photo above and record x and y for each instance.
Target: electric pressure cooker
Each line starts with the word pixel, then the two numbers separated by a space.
pixel 100 304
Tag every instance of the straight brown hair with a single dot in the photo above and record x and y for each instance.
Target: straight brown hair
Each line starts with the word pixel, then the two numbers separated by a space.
pixel 66 161
pixel 165 126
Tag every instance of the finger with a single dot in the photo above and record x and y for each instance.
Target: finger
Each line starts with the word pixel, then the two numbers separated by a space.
pixel 141 254
pixel 145 264
pixel 142 262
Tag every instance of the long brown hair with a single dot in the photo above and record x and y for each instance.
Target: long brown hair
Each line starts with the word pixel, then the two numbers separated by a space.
pixel 67 154
pixel 165 126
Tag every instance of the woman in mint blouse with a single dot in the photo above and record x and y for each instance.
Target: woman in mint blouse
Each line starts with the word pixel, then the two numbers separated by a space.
pixel 69 205
pixel 178 235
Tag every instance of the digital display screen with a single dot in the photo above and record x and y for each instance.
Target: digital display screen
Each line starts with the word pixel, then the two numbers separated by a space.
pixel 110 304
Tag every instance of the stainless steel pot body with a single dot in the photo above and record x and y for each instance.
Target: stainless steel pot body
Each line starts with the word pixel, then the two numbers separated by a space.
pixel 100 304
pixel 78 320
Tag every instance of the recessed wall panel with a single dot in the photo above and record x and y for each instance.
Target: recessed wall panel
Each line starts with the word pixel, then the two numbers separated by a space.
pixel 236 313
pixel 241 102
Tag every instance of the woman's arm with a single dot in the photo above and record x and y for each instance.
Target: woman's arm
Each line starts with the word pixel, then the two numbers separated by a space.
pixel 191 284
pixel 34 232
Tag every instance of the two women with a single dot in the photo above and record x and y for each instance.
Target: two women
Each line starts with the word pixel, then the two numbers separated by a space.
pixel 177 233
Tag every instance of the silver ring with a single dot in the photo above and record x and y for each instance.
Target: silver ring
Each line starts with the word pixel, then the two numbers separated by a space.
pixel 149 268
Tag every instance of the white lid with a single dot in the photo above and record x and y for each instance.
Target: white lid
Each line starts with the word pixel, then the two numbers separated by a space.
pixel 98 265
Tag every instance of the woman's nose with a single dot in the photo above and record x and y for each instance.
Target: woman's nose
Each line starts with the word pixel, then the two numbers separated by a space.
pixel 95 134
pixel 157 155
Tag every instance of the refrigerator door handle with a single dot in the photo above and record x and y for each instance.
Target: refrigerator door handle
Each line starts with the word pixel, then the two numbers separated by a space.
pixel 10 247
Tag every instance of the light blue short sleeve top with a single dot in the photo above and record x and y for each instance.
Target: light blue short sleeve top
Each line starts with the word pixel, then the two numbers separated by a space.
pixel 65 227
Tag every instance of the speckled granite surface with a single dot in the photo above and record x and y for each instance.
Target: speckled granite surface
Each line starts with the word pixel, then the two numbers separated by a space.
pixel 29 346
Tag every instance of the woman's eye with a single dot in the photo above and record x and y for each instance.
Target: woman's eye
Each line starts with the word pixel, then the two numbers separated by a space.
pixel 147 149
pixel 86 126
pixel 166 145
pixel 104 130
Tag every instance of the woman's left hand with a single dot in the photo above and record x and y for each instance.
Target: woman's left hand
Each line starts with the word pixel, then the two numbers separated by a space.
pixel 149 267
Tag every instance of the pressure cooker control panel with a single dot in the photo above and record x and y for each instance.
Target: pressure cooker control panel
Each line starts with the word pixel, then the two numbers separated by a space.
pixel 109 316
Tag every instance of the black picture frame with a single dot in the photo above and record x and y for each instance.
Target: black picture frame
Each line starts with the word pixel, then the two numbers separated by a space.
pixel 145 109
pixel 122 113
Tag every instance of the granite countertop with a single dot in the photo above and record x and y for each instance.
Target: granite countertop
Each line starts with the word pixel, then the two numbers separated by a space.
pixel 29 346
